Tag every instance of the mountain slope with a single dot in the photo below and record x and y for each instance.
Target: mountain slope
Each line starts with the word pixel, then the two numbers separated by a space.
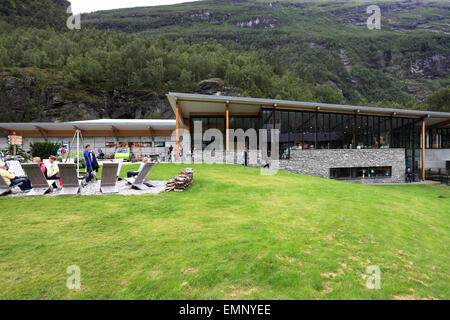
pixel 35 13
pixel 123 62
pixel 323 42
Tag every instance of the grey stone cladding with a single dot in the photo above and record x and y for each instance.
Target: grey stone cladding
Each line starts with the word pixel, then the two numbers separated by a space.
pixel 319 162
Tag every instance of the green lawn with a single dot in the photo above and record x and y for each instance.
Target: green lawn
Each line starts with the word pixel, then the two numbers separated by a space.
pixel 233 235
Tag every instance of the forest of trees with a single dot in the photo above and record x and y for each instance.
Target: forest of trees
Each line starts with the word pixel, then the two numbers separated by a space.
pixel 281 63
pixel 100 60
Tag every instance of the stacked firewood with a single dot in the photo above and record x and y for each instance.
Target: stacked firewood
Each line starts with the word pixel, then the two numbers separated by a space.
pixel 182 181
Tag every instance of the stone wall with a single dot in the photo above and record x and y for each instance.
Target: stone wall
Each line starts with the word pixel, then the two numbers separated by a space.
pixel 318 162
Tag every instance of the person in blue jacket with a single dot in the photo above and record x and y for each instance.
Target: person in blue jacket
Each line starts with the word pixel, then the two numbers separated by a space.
pixel 88 158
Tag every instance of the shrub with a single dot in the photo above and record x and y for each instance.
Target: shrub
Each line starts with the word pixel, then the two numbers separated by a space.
pixel 19 151
pixel 44 150
pixel 73 155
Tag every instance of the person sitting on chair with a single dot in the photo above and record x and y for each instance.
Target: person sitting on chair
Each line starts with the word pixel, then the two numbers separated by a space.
pixel 101 154
pixel 53 171
pixel 136 173
pixel 11 180
pixel 41 165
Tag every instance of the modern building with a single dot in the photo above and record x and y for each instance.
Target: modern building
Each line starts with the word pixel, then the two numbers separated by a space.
pixel 329 140
pixel 326 140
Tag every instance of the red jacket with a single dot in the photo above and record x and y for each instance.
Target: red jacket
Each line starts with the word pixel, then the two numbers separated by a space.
pixel 43 168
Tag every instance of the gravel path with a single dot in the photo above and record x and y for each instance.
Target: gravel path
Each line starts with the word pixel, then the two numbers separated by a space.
pixel 93 188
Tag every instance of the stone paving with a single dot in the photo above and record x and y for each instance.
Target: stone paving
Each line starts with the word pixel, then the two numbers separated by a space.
pixel 93 188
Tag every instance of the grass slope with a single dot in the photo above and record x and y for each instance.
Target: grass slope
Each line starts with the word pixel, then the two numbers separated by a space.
pixel 234 235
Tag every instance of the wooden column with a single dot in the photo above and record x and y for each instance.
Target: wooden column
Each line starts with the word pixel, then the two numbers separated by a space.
pixel 177 119
pixel 227 129
pixel 423 149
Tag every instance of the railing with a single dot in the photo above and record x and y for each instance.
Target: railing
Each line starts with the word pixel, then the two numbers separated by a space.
pixel 441 175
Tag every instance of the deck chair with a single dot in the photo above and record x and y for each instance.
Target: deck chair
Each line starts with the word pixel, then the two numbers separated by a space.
pixel 46 162
pixel 16 168
pixel 139 182
pixel 108 183
pixel 120 162
pixel 38 182
pixel 69 178
pixel 4 188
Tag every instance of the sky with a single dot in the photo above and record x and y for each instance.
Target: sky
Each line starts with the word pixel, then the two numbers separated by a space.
pixel 82 6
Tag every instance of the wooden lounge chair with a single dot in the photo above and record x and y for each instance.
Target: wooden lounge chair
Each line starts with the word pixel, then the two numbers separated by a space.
pixel 108 183
pixel 120 162
pixel 16 167
pixel 4 188
pixel 69 178
pixel 139 182
pixel 38 182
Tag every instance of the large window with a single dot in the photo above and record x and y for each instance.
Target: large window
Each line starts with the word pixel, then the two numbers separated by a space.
pixel 309 128
pixel 336 131
pixel 324 137
pixel 359 173
pixel 207 123
pixel 385 132
pixel 438 138
pixel 349 127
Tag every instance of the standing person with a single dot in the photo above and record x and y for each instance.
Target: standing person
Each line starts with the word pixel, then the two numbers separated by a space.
pixel 88 158
pixel 408 175
pixel 11 180
pixel 170 152
pixel 245 154
pixel 63 150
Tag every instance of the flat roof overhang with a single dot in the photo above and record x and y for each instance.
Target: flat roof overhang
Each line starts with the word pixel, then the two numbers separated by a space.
pixel 104 127
pixel 198 104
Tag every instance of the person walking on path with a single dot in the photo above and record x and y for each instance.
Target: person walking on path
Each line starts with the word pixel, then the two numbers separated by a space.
pixel 89 161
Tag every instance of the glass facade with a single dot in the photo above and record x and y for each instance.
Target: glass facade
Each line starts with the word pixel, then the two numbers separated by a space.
pixel 207 123
pixel 437 139
pixel 317 130
pixel 303 130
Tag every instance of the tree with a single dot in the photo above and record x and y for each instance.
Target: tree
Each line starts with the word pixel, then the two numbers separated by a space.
pixel 439 100
pixel 326 94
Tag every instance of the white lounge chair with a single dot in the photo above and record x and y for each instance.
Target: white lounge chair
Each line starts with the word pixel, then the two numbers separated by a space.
pixel 69 177
pixel 16 168
pixel 108 183
pixel 139 183
pixel 120 162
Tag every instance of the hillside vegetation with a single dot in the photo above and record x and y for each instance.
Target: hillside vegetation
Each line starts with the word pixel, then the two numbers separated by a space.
pixel 34 13
pixel 321 42
pixel 316 51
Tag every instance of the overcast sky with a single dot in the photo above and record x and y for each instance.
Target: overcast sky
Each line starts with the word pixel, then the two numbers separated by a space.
pixel 82 6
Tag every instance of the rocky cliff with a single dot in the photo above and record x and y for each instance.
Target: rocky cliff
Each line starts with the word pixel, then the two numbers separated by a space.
pixel 25 98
